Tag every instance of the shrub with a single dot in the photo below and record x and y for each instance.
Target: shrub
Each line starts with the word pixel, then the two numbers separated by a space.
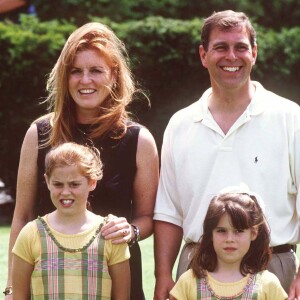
pixel 164 58
pixel 267 13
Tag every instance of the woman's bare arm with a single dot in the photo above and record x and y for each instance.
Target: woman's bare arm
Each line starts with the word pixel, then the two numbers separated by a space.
pixel 145 183
pixel 144 193
pixel 26 189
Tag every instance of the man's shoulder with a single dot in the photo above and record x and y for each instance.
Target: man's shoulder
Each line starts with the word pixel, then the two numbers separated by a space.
pixel 280 106
pixel 186 114
pixel 282 101
pixel 276 101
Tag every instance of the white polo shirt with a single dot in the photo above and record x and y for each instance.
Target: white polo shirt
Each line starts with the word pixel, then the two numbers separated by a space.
pixel 261 149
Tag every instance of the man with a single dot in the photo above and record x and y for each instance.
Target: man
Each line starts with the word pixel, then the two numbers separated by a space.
pixel 237 132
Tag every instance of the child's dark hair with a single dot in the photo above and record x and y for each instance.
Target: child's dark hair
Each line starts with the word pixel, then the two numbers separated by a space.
pixel 245 213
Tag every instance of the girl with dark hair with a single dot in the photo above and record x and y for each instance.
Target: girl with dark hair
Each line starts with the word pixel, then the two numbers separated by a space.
pixel 231 257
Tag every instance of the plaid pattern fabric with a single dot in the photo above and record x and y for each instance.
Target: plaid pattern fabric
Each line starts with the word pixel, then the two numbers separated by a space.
pixel 61 275
pixel 250 292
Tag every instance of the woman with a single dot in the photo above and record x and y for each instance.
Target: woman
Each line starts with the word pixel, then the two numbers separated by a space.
pixel 89 89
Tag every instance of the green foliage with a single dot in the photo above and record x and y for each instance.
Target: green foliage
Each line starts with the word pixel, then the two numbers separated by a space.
pixel 162 51
pixel 267 13
pixel 28 53
pixel 278 60
pixel 80 11
pixel 273 14
pixel 164 59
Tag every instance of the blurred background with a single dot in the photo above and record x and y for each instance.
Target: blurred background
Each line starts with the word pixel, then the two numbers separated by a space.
pixel 162 38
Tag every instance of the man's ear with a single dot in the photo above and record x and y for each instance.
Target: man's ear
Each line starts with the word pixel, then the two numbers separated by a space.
pixel 254 54
pixel 202 54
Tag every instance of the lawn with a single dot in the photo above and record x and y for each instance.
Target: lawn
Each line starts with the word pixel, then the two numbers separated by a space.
pixel 4 237
pixel 148 267
pixel 147 254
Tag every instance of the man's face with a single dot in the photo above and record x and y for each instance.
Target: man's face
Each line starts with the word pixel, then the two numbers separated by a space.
pixel 229 58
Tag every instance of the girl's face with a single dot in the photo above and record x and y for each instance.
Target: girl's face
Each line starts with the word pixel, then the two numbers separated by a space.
pixel 231 244
pixel 90 81
pixel 69 189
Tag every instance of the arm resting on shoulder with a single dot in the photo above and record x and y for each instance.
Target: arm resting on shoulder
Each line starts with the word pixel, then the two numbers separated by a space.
pixel 145 183
pixel 144 193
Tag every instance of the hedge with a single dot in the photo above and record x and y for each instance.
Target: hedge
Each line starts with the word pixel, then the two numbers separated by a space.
pixel 164 59
pixel 267 13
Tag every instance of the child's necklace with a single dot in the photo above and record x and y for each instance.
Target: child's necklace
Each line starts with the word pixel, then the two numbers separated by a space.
pixel 234 297
pixel 65 249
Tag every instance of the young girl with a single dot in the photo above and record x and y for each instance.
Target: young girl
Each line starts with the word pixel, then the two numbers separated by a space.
pixel 62 255
pixel 231 258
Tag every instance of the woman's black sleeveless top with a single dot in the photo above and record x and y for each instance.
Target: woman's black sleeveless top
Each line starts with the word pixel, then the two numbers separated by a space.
pixel 113 194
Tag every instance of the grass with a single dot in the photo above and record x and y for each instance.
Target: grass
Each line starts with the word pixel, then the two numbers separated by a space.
pixel 148 267
pixel 4 238
pixel 147 255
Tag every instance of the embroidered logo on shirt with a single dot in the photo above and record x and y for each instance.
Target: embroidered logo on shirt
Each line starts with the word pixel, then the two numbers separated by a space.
pixel 256 159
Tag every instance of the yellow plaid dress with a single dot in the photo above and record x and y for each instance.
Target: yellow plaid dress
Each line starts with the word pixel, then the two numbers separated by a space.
pixel 66 275
pixel 250 291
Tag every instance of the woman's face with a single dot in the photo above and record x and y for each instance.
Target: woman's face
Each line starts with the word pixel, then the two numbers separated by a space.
pixel 90 81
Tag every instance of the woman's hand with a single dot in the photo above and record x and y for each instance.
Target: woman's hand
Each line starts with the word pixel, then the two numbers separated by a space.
pixel 117 229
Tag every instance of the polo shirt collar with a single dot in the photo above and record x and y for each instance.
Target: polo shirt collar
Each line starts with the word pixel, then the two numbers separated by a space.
pixel 256 106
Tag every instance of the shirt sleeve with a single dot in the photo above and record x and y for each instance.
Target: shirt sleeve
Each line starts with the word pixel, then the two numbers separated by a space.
pixel 116 253
pixel 271 288
pixel 167 207
pixel 25 244
pixel 295 158
pixel 186 287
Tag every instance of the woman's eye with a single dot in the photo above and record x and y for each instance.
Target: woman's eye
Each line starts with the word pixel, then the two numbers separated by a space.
pixel 96 71
pixel 75 71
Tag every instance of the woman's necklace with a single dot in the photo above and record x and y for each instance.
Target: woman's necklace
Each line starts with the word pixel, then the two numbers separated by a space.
pixel 84 135
pixel 65 249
